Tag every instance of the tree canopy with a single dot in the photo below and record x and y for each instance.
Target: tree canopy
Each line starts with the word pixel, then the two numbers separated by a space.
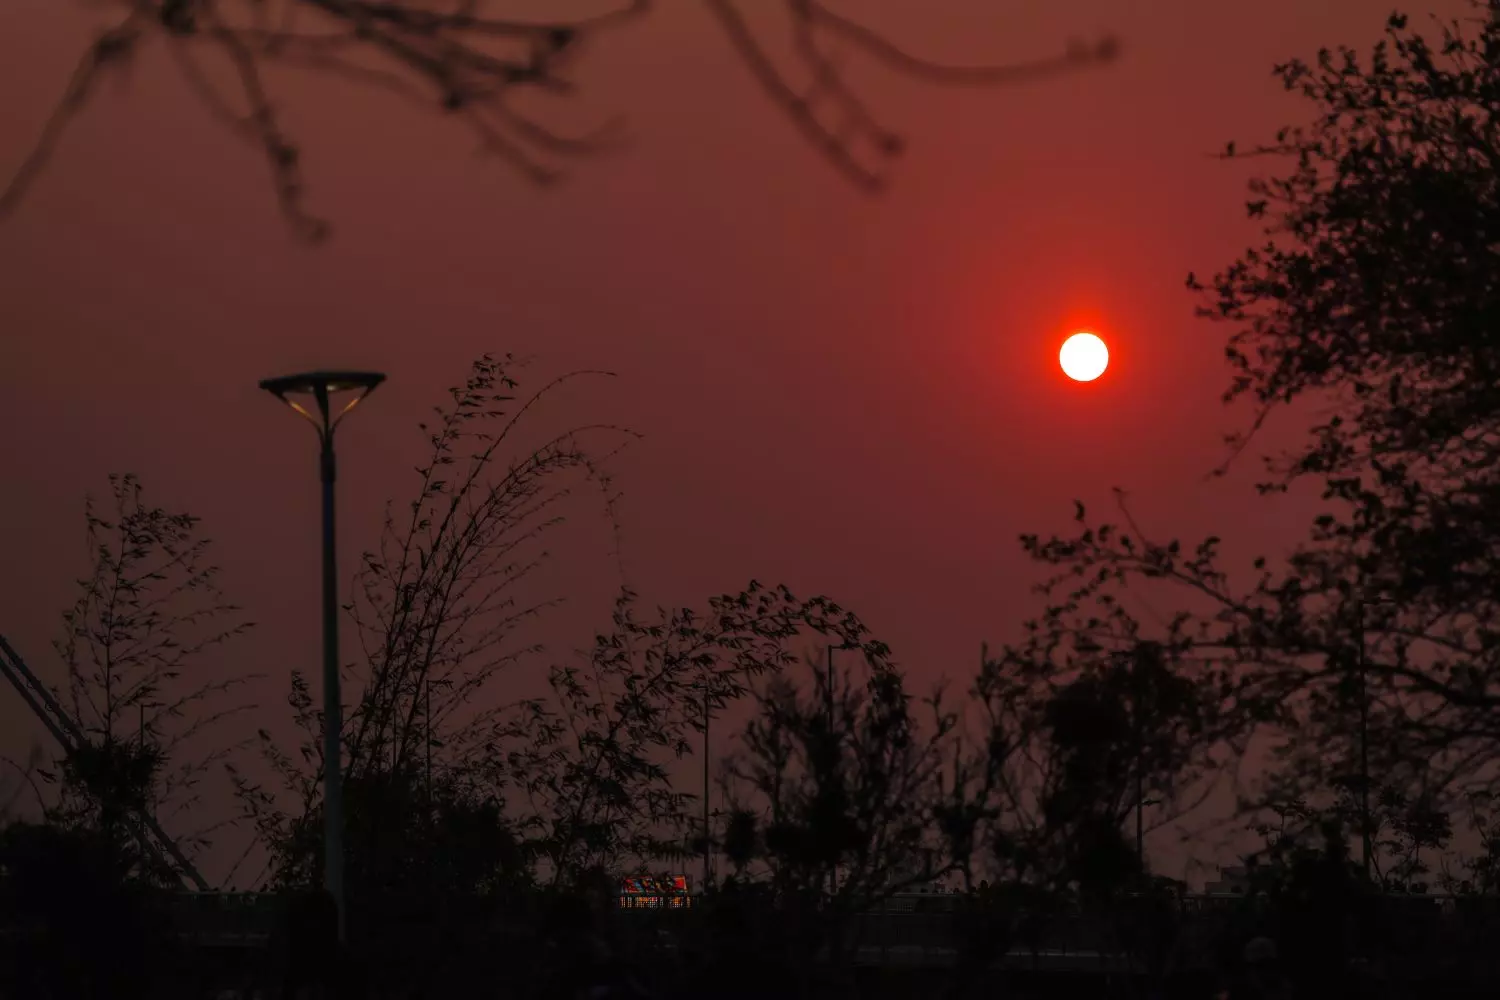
pixel 1368 310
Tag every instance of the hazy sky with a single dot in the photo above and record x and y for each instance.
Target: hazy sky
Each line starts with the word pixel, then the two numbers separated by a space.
pixel 854 396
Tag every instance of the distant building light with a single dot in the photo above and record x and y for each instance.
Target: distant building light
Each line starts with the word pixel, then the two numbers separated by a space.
pixel 648 892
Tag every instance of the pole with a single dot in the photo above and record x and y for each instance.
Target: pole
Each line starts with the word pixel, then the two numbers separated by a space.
pixel 427 678
pixel 148 807
pixel 833 874
pixel 828 696
pixel 1364 750
pixel 707 869
pixel 333 712
pixel 431 816
pixel 1140 777
pixel 1140 824
pixel 140 748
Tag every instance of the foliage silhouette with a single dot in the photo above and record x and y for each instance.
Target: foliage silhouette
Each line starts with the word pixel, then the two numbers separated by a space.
pixel 489 72
pixel 136 649
pixel 839 797
pixel 454 811
pixel 80 923
pixel 589 763
pixel 1069 747
pixel 1369 301
pixel 147 617
pixel 1077 738
pixel 439 607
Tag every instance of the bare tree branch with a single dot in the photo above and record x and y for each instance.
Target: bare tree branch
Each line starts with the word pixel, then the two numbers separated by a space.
pixel 453 58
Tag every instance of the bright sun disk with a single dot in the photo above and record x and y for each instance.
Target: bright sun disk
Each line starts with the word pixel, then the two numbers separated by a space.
pixel 1083 357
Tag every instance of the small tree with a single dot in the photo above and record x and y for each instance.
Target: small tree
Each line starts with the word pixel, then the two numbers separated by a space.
pixel 840 795
pixel 591 764
pixel 148 617
pixel 76 888
pixel 1081 729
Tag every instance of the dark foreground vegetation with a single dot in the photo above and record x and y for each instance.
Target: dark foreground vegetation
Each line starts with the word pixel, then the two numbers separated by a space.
pixel 1329 936
pixel 1345 694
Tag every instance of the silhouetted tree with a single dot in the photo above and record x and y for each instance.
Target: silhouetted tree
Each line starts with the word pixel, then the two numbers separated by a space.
pixel 841 795
pixel 1079 733
pixel 441 603
pixel 1480 873
pixel 1088 734
pixel 491 73
pixel 78 890
pixel 148 616
pixel 590 764
pixel 80 923
pixel 1309 895
pixel 1372 300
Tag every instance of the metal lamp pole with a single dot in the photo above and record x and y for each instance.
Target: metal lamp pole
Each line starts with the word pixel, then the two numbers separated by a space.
pixel 321 385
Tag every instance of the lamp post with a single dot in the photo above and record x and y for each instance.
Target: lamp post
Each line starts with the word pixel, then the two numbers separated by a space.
pixel 320 386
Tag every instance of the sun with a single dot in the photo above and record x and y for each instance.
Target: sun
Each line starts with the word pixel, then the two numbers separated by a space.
pixel 1083 357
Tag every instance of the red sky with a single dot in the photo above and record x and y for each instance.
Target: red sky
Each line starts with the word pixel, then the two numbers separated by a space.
pixel 856 397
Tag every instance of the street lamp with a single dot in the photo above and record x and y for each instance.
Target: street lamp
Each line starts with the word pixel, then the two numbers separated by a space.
pixel 319 386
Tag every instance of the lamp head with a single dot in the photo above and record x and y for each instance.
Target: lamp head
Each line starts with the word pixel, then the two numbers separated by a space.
pixel 321 385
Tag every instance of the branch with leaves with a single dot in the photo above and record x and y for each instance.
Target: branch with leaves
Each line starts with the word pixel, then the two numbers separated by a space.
pixel 1300 650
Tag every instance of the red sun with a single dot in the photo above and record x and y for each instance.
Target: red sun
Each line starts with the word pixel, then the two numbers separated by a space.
pixel 1083 357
